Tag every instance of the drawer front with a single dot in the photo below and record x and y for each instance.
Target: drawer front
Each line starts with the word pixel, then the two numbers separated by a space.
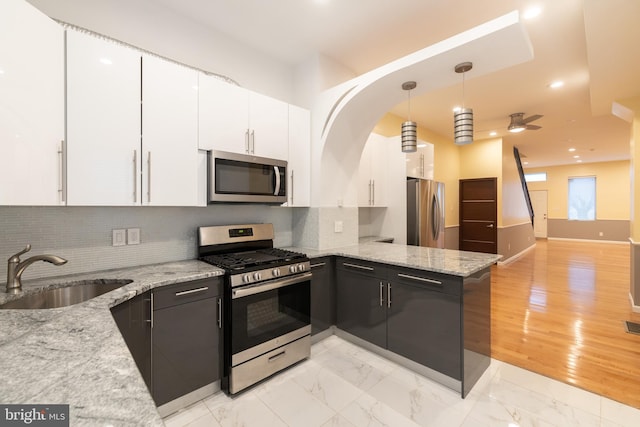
pixel 361 267
pixel 444 283
pixel 182 293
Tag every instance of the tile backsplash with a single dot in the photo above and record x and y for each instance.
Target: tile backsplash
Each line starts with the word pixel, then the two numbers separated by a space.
pixel 83 235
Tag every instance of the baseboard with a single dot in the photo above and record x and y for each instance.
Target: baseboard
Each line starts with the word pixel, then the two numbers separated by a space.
pixel 634 308
pixel 614 242
pixel 516 256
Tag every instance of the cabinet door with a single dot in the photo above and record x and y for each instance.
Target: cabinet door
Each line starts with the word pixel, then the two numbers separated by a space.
pixel 223 122
pixel 323 297
pixel 31 106
pixel 103 122
pixel 372 173
pixel 420 163
pixel 361 304
pixel 269 126
pixel 169 133
pixel 299 156
pixel 423 324
pixel 186 349
pixel 133 318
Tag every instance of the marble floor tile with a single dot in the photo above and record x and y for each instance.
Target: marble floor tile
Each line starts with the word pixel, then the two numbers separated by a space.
pixel 343 385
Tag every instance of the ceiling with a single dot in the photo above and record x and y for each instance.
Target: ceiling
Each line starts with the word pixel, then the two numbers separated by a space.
pixel 589 44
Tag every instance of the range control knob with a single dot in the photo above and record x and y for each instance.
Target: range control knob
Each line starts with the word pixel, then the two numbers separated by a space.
pixel 246 278
pixel 257 276
pixel 293 269
pixel 276 272
pixel 301 267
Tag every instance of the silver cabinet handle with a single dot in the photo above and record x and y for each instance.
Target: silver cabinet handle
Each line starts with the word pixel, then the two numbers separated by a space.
pixel 361 267
pixel 253 141
pixel 320 264
pixel 422 165
pixel 381 291
pixel 62 175
pixel 420 279
pixel 135 176
pixel 276 171
pixel 373 192
pixel 192 291
pixel 246 141
pixel 219 313
pixel 150 321
pixel 291 186
pixel 490 226
pixel 388 295
pixel 369 192
pixel 149 177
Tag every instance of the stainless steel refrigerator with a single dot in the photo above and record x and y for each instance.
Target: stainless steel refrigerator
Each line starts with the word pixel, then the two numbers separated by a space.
pixel 425 213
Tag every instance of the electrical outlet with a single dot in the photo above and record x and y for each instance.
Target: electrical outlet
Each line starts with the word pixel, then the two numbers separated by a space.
pixel 118 237
pixel 601 234
pixel 133 236
pixel 337 226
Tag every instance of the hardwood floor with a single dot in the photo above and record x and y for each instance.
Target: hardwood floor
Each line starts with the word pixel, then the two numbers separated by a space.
pixel 559 311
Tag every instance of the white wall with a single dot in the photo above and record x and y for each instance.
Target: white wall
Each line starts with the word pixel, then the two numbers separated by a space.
pixel 154 27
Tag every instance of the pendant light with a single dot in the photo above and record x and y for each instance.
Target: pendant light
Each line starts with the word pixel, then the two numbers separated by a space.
pixel 463 117
pixel 409 130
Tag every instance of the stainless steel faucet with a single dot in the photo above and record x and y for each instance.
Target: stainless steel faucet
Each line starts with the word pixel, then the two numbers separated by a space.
pixel 16 268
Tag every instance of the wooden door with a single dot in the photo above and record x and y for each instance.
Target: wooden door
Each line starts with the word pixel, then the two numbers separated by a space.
pixel 478 215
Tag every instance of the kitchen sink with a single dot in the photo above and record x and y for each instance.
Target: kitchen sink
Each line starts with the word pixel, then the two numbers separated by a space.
pixel 71 294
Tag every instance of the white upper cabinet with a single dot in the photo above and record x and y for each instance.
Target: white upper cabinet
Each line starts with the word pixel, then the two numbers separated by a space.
pixel 223 115
pixel 103 122
pixel 299 166
pixel 235 119
pixel 268 126
pixel 420 163
pixel 372 174
pixel 31 106
pixel 169 133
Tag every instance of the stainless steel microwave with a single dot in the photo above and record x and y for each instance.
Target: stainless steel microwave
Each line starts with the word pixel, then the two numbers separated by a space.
pixel 243 178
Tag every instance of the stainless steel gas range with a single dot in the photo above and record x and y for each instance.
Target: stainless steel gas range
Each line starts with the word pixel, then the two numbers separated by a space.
pixel 266 302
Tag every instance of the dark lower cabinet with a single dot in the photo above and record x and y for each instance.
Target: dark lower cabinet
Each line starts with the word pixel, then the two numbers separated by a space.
pixel 423 322
pixel 361 307
pixel 177 344
pixel 323 294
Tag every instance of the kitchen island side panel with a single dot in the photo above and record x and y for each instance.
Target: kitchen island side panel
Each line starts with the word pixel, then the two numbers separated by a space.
pixel 476 324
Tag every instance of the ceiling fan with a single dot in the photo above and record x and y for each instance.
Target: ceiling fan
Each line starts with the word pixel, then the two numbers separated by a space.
pixel 519 123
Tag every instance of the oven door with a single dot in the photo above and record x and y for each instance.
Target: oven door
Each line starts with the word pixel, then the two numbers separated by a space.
pixel 245 179
pixel 269 314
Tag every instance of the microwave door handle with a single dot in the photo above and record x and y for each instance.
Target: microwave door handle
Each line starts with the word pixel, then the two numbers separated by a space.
pixel 276 171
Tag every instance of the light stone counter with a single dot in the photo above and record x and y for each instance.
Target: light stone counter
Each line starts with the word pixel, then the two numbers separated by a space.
pixel 456 263
pixel 76 355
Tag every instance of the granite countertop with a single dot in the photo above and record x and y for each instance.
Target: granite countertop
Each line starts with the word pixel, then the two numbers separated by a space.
pixel 75 355
pixel 456 263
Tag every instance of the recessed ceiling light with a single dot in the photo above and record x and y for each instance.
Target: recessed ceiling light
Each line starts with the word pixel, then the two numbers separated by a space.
pixel 456 109
pixel 557 84
pixel 571 150
pixel 106 61
pixel 422 145
pixel 578 161
pixel 493 133
pixel 576 157
pixel 525 163
pixel 532 12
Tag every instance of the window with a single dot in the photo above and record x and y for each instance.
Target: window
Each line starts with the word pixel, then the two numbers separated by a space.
pixel 582 198
pixel 535 177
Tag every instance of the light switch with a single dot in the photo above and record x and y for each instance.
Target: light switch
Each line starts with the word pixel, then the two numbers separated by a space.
pixel 119 237
pixel 337 226
pixel 133 236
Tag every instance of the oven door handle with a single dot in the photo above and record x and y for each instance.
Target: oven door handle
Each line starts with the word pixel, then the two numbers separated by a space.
pixel 270 285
